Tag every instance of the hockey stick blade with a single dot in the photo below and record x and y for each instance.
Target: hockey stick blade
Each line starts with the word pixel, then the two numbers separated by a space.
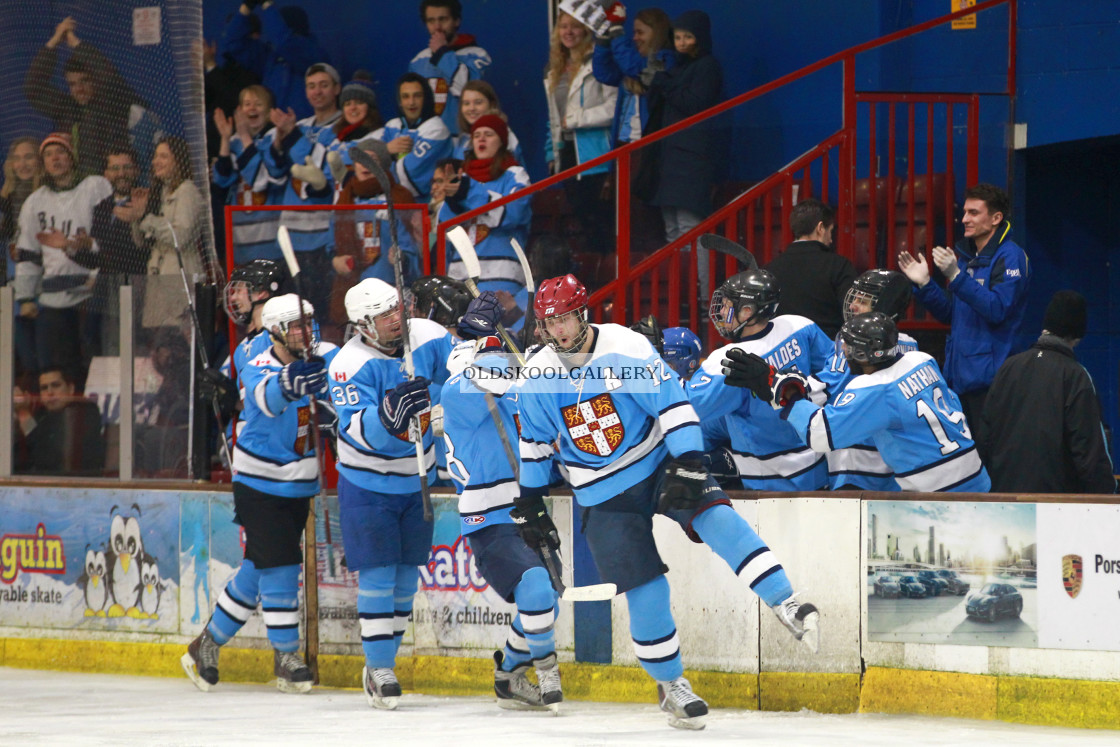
pixel 373 163
pixel 467 254
pixel 594 593
pixel 288 251
pixel 716 243
pixel 529 284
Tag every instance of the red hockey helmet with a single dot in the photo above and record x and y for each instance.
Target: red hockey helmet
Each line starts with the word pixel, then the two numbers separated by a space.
pixel 558 298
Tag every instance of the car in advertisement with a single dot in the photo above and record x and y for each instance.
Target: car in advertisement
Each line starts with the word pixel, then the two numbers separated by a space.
pixel 912 587
pixel 994 600
pixel 957 585
pixel 887 587
pixel 934 584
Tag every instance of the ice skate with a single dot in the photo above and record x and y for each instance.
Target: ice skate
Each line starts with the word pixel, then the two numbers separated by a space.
pixel 686 709
pixel 548 679
pixel 201 661
pixel 802 620
pixel 292 674
pixel 514 690
pixel 381 687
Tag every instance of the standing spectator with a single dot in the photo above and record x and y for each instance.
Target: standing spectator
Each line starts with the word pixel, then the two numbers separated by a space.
pixel 64 438
pixel 94 110
pixel 50 286
pixel 450 60
pixel 284 49
pixel 23 174
pixel 580 109
pixel 491 174
pixel 479 98
pixel 984 298
pixel 1042 419
pixel 360 120
pixel 240 169
pixel 686 167
pixel 418 138
pixel 814 279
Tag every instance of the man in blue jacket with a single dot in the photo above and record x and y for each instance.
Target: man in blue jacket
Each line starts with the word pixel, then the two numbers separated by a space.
pixel 984 298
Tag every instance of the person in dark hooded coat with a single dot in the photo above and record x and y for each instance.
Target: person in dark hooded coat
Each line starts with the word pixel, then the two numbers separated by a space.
pixel 682 185
pixel 418 139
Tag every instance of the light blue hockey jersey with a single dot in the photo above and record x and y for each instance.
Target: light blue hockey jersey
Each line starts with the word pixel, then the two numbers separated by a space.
pixel 912 417
pixel 309 229
pixel 861 466
pixel 372 227
pixel 618 416
pixel 447 72
pixel 491 232
pixel 275 452
pixel 431 143
pixel 476 459
pixel 462 143
pixel 360 376
pixel 246 176
pixel 767 451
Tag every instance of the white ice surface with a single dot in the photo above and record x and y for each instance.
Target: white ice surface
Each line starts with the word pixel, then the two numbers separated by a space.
pixel 82 709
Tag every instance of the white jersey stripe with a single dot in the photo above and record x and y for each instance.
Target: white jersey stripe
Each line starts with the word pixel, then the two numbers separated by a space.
pixel 247 464
pixel 280 618
pixel 783 465
pixel 404 466
pixel 944 474
pixel 658 651
pixel 580 476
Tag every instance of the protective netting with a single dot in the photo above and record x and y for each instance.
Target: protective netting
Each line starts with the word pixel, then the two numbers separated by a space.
pixel 105 184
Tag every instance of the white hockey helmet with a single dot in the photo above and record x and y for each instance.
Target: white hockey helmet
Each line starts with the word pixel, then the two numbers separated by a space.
pixel 281 313
pixel 365 302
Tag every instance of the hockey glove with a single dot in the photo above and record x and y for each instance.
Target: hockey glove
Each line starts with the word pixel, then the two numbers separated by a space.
pixel 301 378
pixel 408 400
pixel 788 387
pixel 534 524
pixel 721 465
pixel 684 483
pixel 749 371
pixel 481 318
pixel 215 384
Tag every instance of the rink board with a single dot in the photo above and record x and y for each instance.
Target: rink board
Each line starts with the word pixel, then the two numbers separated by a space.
pixel 53 615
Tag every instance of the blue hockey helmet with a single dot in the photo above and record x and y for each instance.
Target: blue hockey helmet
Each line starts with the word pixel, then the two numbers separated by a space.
pixel 681 350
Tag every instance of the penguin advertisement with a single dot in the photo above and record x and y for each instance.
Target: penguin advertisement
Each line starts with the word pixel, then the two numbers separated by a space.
pixel 95 583
pixel 125 558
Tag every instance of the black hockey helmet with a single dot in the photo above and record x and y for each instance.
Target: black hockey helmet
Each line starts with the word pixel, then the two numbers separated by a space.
pixel 756 288
pixel 260 275
pixel 440 298
pixel 888 291
pixel 649 328
pixel 870 338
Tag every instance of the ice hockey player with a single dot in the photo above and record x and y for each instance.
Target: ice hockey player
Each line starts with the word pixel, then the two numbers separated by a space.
pixel 898 400
pixel 767 452
pixel 274 477
pixel 632 444
pixel 861 467
pixel 487 485
pixel 384 534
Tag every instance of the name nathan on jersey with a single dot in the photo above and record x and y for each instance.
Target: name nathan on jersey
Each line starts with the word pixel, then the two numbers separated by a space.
pixel 594 425
pixel 917 381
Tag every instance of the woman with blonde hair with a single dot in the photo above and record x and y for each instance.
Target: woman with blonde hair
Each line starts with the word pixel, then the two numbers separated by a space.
pixel 580 110
pixel 479 99
pixel 23 174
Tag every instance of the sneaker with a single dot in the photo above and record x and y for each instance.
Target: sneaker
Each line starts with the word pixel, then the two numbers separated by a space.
pixel 381 688
pixel 201 661
pixel 292 674
pixel 514 690
pixel 548 679
pixel 686 709
pixel 802 620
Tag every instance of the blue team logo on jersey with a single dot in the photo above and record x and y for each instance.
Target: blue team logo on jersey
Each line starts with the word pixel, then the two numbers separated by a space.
pixel 473 521
pixel 594 425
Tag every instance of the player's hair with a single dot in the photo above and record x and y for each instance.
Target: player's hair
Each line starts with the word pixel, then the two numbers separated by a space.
pixel 10 178
pixel 994 198
pixel 454 6
pixel 559 58
pixel 260 92
pixel 123 149
pixel 805 216
pixel 661 26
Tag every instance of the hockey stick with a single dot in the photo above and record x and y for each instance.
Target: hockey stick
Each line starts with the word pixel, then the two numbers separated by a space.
pixel 416 433
pixel 226 455
pixel 469 257
pixel 716 243
pixel 531 286
pixel 594 593
pixel 310 541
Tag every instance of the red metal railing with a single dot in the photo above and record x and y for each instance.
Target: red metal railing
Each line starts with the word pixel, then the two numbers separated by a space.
pixel 655 280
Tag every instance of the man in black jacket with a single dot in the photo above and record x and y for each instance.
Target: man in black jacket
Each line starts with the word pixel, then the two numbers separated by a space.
pixel 1043 430
pixel 814 279
pixel 62 438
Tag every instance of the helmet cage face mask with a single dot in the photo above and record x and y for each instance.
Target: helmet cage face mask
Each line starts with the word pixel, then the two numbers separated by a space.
pixel 367 327
pixel 236 291
pixel 577 342
pixel 724 313
pixel 284 322
pixel 861 348
pixel 864 297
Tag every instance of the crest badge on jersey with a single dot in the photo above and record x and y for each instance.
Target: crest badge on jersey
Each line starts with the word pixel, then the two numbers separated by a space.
pixel 425 421
pixel 1071 575
pixel 594 425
